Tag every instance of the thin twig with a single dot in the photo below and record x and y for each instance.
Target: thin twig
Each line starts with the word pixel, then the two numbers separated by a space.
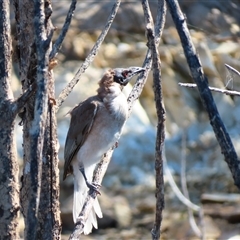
pixel 66 91
pixel 232 69
pixel 227 92
pixel 200 79
pixel 19 103
pixel 147 64
pixel 57 45
pixel 175 188
pixel 192 221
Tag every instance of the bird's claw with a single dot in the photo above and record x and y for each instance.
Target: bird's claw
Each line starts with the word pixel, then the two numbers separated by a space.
pixel 94 187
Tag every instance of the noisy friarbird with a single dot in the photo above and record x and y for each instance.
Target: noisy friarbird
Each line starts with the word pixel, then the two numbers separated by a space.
pixel 95 126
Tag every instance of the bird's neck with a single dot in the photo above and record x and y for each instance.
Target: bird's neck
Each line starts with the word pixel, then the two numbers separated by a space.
pixel 114 101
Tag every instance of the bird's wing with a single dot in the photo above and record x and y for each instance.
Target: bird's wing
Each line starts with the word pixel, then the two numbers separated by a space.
pixel 81 123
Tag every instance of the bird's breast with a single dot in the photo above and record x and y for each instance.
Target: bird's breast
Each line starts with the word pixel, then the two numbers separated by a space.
pixel 106 130
pixel 117 108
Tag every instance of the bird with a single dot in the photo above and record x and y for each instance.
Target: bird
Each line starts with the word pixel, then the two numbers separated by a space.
pixel 95 126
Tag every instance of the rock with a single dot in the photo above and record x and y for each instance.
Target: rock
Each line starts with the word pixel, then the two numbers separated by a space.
pixel 207 60
pixel 211 229
pixel 230 213
pixel 122 212
pixel 146 204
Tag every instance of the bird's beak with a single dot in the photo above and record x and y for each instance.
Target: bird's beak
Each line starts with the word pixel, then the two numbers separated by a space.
pixel 132 71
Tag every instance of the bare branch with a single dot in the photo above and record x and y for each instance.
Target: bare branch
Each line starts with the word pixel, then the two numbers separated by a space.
pixel 19 103
pixel 57 45
pixel 227 92
pixel 232 69
pixel 156 65
pixel 142 78
pixel 66 91
pixel 196 69
pixel 192 221
pixel 176 190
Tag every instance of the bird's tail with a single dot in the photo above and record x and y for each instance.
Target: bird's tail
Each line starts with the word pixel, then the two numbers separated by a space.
pixel 80 194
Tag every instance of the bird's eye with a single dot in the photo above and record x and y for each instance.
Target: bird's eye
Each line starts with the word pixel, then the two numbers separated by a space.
pixel 125 73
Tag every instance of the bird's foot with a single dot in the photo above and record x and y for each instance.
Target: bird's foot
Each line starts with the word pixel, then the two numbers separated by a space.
pixel 115 145
pixel 94 187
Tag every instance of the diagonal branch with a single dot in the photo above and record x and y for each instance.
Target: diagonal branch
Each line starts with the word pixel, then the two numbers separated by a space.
pixel 232 69
pixel 66 91
pixel 200 79
pixel 57 45
pixel 19 103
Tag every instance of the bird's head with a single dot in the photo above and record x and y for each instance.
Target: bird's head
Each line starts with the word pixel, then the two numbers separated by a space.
pixel 114 80
pixel 124 75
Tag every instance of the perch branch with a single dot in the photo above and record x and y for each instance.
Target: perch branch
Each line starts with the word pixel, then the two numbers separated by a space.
pixel 200 79
pixel 57 45
pixel 66 91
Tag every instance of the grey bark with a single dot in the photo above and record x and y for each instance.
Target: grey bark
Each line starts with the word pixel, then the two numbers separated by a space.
pixel 39 194
pixel 9 186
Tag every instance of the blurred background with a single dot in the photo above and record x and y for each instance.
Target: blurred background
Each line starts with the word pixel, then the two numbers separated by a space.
pixel 128 189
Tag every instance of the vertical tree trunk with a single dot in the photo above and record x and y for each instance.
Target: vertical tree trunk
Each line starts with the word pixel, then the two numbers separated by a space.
pixel 9 189
pixel 42 217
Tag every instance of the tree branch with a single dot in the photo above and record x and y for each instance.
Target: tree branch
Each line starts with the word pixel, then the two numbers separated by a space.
pixel 200 79
pixel 142 78
pixel 66 91
pixel 156 65
pixel 232 69
pixel 225 91
pixel 19 103
pixel 199 233
pixel 57 45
